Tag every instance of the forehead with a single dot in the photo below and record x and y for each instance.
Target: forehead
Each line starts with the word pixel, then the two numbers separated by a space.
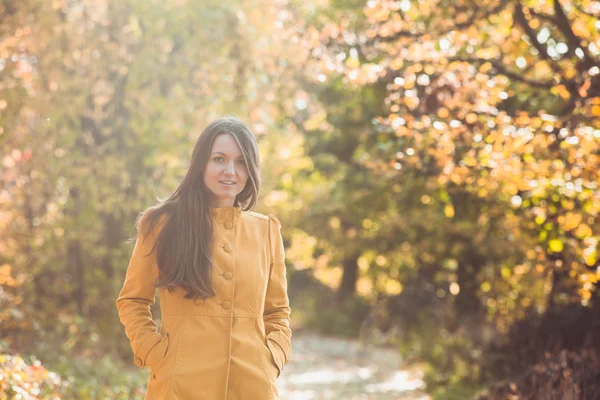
pixel 226 144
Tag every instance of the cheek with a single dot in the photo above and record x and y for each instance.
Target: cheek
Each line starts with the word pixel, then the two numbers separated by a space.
pixel 210 171
pixel 243 173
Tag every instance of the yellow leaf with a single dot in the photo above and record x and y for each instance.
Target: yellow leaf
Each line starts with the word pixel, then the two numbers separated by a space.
pixel 449 210
pixel 555 245
pixel 485 67
pixel 397 63
pixel 352 63
pixel 571 221
pixel 364 287
pixel 510 188
pixel 523 119
pixel 542 70
pixel 591 258
pixel 594 278
pixel 5 269
pixel 583 231
pixel 570 73
pixel 562 91
pixel 329 276
pixel 393 287
pixel 470 161
pixel 315 120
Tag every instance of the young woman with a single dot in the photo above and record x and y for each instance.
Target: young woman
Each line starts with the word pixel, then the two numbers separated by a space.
pixel 220 272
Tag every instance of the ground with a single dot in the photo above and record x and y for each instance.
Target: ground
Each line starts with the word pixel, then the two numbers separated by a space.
pixel 324 368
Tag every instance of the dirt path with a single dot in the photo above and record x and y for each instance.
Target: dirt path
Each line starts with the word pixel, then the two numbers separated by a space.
pixel 324 368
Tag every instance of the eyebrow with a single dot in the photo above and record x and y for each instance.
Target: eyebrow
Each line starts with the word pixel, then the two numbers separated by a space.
pixel 218 152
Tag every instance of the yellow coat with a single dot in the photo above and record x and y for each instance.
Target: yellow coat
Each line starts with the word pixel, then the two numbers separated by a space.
pixel 229 347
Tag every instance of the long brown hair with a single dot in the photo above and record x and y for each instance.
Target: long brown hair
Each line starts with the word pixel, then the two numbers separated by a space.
pixel 184 243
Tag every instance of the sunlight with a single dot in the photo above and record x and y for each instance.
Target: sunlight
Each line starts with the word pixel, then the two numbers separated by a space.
pixel 401 381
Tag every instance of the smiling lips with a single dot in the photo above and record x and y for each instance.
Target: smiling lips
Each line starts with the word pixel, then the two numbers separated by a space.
pixel 228 183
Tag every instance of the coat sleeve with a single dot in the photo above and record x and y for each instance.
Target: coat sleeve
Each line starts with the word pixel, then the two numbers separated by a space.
pixel 137 295
pixel 277 309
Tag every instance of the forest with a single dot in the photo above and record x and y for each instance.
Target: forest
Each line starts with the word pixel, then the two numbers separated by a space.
pixel 435 166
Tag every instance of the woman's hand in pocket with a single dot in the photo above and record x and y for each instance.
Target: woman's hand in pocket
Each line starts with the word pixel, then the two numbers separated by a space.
pixel 158 352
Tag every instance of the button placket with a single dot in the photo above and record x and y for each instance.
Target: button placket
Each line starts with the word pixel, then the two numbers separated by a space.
pixel 227 247
pixel 225 266
pixel 226 304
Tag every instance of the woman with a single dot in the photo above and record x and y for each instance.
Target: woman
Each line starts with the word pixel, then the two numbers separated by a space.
pixel 220 272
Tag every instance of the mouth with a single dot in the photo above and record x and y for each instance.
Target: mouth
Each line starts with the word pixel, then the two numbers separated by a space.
pixel 227 183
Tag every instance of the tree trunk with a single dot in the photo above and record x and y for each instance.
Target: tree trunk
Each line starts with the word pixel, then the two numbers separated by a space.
pixel 74 257
pixel 349 277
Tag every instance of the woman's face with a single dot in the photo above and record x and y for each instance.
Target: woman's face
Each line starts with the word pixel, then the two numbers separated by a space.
pixel 225 165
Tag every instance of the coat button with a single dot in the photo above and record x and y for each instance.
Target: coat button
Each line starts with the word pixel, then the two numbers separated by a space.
pixel 228 224
pixel 138 362
pixel 228 247
pixel 226 304
pixel 227 275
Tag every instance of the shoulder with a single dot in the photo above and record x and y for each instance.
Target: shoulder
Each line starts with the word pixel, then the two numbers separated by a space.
pixel 151 221
pixel 265 217
pixel 254 214
pixel 274 219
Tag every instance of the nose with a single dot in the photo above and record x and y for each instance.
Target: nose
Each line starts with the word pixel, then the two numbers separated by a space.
pixel 230 168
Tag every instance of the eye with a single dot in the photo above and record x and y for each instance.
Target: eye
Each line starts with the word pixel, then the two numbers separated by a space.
pixel 242 161
pixel 218 158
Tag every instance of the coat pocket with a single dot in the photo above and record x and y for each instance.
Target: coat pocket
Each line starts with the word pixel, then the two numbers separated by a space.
pixel 158 353
pixel 271 369
pixel 272 357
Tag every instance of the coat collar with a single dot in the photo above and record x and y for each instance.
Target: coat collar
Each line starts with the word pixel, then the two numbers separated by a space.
pixel 227 213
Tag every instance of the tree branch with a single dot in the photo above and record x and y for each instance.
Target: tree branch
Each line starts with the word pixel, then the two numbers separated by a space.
pixel 544 17
pixel 588 13
pixel 503 70
pixel 563 23
pixel 470 22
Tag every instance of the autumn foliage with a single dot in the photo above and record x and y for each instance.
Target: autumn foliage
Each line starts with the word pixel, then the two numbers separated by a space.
pixel 436 165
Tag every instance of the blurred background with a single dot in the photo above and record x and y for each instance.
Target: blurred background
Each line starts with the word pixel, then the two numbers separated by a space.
pixel 435 165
